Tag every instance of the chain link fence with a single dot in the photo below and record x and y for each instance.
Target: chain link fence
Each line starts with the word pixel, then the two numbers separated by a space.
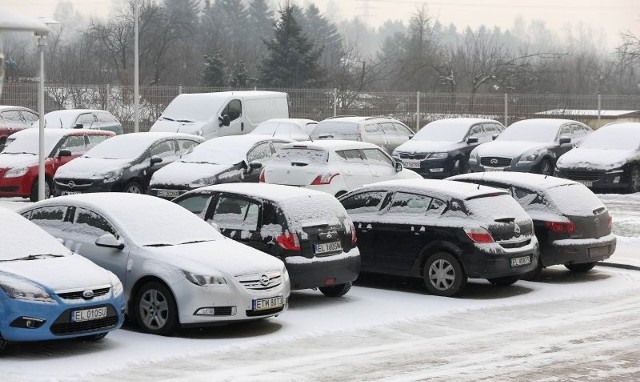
pixel 413 108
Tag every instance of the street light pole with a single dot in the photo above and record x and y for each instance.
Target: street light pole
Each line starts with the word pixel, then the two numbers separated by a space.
pixel 42 42
pixel 136 79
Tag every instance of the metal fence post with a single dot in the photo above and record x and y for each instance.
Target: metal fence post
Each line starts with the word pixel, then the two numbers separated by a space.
pixel 417 111
pixel 599 107
pixel 506 109
pixel 335 102
pixel 106 101
pixel 179 89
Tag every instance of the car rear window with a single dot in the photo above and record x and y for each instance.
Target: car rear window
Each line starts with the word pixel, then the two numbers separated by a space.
pixel 492 207
pixel 302 154
pixel 312 210
pixel 336 128
pixel 574 199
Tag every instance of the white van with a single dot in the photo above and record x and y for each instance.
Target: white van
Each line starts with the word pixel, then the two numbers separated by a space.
pixel 224 113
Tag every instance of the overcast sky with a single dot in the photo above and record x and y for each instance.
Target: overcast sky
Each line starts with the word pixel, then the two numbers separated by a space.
pixel 610 16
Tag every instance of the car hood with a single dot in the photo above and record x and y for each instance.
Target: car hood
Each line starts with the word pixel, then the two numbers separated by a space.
pixel 508 149
pixel 17 160
pixel 90 167
pixel 177 127
pixel 428 146
pixel 596 159
pixel 60 273
pixel 220 256
pixel 179 173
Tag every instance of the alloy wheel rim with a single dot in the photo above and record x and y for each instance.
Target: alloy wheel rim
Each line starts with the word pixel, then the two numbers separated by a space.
pixel 442 275
pixel 154 309
pixel 134 190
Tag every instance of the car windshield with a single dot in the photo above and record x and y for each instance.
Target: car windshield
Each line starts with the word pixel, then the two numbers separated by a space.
pixel 23 240
pixel 612 139
pixel 189 107
pixel 218 151
pixel 574 199
pixel 492 207
pixel 335 128
pixel 302 154
pixel 125 146
pixel 442 132
pixel 530 131
pixel 28 144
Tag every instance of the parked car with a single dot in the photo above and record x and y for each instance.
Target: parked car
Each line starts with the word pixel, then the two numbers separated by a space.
pixel 441 148
pixel 218 160
pixel 443 232
pixel 608 159
pixel 81 119
pixel 387 133
pixel 211 115
pixel 14 118
pixel 176 269
pixel 19 160
pixel 297 129
pixel 124 163
pixel 309 230
pixel 333 166
pixel 531 145
pixel 572 225
pixel 47 292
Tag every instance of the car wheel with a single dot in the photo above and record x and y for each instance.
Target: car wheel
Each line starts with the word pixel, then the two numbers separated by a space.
pixel 545 167
pixel 504 281
pixel 335 290
pixel 94 338
pixel 34 190
pixel 443 275
pixel 634 179
pixel 580 268
pixel 3 344
pixel 155 309
pixel 134 188
pixel 457 167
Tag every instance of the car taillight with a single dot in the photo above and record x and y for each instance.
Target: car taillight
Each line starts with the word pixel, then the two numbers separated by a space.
pixel 325 178
pixel 354 239
pixel 261 178
pixel 479 235
pixel 288 241
pixel 561 227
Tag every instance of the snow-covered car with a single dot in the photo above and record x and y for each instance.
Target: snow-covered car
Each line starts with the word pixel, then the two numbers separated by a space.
pixel 124 163
pixel 309 230
pixel 19 160
pixel 441 148
pixel 333 166
pixel 443 232
pixel 572 225
pixel 47 292
pixel 296 129
pixel 388 133
pixel 218 160
pixel 81 119
pixel 13 119
pixel 530 145
pixel 607 159
pixel 177 270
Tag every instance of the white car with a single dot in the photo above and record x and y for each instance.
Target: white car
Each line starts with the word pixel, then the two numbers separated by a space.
pixel 297 129
pixel 333 166
pixel 177 270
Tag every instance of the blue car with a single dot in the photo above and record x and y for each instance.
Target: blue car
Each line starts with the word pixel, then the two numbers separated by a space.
pixel 48 292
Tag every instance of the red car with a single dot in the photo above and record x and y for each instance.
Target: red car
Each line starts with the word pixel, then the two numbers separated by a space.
pixel 14 118
pixel 19 160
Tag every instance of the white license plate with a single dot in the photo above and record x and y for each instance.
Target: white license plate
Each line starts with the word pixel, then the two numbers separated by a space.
pixel 520 261
pixel 267 303
pixel 88 314
pixel 494 169
pixel 588 183
pixel 168 193
pixel 328 247
pixel 70 192
pixel 411 163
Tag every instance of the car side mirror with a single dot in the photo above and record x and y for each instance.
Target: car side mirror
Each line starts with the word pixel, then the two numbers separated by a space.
pixel 472 140
pixel 78 126
pixel 565 140
pixel 398 166
pixel 155 160
pixel 225 120
pixel 64 153
pixel 109 241
pixel 255 165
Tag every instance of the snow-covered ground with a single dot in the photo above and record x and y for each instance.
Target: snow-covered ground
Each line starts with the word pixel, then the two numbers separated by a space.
pixel 563 327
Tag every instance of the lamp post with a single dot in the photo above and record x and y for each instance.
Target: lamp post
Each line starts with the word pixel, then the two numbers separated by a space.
pixel 136 69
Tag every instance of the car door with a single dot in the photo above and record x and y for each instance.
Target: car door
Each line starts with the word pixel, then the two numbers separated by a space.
pixel 165 150
pixel 198 203
pixel 363 209
pixel 566 131
pixel 355 168
pixel 238 218
pixel 372 133
pixel 236 123
pixel 381 165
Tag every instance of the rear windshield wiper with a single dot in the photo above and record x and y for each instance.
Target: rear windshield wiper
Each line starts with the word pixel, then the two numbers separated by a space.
pixel 160 245
pixel 34 257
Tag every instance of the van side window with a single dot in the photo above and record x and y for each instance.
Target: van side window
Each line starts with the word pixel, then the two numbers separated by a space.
pixel 75 144
pixel 233 109
pixel 86 120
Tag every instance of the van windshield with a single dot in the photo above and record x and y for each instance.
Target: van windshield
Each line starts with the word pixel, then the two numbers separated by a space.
pixel 193 107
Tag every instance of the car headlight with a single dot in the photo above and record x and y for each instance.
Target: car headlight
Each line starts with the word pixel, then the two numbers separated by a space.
pixel 438 155
pixel 204 280
pixel 473 157
pixel 203 182
pixel 530 156
pixel 16 172
pixel 116 285
pixel 22 289
pixel 112 176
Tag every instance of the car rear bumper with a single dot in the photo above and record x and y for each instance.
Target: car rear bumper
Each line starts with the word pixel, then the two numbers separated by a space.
pixel 593 179
pixel 577 251
pixel 317 272
pixel 488 264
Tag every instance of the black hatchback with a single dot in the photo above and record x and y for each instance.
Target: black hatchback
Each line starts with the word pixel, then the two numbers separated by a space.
pixel 308 230
pixel 443 232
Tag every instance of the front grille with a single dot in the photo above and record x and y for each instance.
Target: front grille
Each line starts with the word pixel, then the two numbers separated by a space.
pixel 495 161
pixel 73 183
pixel 583 175
pixel 412 156
pixel 86 326
pixel 266 312
pixel 78 294
pixel 260 281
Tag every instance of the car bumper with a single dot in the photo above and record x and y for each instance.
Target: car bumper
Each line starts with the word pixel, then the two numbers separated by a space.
pixel 317 272
pixel 167 193
pixel 490 262
pixel 84 187
pixel 578 251
pixel 602 180
pixel 18 186
pixel 517 167
pixel 430 168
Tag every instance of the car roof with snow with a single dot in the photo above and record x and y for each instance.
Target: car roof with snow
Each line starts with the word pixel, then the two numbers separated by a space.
pixel 460 122
pixel 9 107
pixel 436 187
pixel 153 136
pixel 525 180
pixel 331 144
pixel 275 192
pixel 239 141
pixel 34 132
pixel 557 122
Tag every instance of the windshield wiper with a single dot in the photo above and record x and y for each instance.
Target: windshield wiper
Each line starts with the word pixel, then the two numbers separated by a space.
pixel 167 118
pixel 19 153
pixel 184 120
pixel 195 241
pixel 160 245
pixel 34 257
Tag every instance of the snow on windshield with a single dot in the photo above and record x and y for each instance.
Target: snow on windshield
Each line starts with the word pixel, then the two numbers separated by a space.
pixel 28 143
pixel 535 131
pixel 193 107
pixel 60 119
pixel 127 146
pixel 613 138
pixel 314 210
pixel 21 238
pixel 496 207
pixel 301 154
pixel 574 199
pixel 219 151
pixel 442 131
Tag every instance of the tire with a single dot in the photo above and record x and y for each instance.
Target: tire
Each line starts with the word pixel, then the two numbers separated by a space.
pixel 34 190
pixel 504 281
pixel 95 337
pixel 335 290
pixel 545 167
pixel 459 167
pixel 634 179
pixel 580 268
pixel 443 275
pixel 134 188
pixel 534 274
pixel 155 309
pixel 3 344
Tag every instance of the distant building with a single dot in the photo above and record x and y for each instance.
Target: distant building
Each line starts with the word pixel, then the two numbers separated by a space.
pixel 590 117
